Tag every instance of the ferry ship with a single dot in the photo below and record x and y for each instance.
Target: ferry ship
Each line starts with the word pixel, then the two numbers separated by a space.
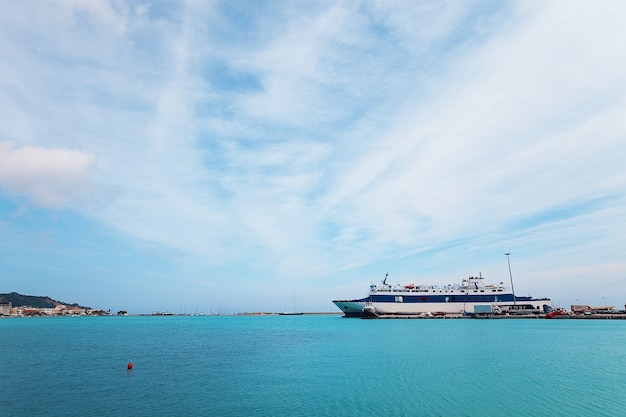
pixel 463 298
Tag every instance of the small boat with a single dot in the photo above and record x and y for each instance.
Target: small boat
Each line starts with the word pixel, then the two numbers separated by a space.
pixel 291 313
pixel 556 313
pixel 369 312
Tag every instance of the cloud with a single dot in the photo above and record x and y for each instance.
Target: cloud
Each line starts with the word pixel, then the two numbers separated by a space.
pixel 302 139
pixel 397 158
pixel 49 177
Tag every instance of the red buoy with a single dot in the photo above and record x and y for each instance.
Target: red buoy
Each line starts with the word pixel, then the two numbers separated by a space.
pixel 129 366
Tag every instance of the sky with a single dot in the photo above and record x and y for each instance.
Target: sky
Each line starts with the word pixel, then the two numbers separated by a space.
pixel 237 156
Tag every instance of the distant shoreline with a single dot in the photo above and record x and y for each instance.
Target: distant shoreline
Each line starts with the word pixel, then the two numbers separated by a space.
pixel 602 316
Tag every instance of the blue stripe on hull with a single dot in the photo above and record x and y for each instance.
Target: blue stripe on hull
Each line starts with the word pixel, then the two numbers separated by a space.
pixel 444 298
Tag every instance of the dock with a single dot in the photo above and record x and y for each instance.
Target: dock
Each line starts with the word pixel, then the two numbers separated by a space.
pixel 601 316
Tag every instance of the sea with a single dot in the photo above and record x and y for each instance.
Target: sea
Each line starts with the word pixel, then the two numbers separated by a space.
pixel 310 365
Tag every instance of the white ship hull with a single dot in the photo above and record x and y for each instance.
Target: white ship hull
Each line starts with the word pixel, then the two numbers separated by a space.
pixel 355 308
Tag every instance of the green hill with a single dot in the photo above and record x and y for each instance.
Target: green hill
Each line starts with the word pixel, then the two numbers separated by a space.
pixel 18 300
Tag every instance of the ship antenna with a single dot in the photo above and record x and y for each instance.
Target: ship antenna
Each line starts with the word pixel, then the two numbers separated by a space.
pixel 385 280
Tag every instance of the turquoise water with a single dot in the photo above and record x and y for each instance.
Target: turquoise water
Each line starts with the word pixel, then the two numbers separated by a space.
pixel 311 366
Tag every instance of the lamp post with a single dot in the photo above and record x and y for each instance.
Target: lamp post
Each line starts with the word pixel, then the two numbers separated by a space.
pixel 511 277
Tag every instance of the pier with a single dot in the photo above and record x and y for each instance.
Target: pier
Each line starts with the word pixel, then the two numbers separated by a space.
pixel 598 316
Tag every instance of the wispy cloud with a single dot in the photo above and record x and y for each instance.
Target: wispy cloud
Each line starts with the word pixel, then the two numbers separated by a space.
pixel 312 140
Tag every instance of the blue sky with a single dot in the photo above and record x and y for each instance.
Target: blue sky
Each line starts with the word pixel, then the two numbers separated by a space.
pixel 194 156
